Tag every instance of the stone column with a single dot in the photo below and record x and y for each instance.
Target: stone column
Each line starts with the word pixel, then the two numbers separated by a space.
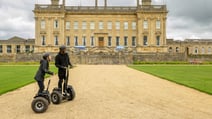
pixel 137 3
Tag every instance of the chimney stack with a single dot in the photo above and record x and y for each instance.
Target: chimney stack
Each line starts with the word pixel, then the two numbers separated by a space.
pixel 64 2
pixel 146 2
pixel 96 3
pixel 55 2
pixel 105 3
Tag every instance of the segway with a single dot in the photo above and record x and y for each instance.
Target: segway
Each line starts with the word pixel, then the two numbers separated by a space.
pixel 69 94
pixel 41 101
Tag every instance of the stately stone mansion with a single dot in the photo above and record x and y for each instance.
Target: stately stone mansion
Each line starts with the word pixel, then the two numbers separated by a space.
pixel 141 28
pixel 137 30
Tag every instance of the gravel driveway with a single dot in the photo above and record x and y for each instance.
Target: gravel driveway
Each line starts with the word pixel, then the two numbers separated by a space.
pixel 112 92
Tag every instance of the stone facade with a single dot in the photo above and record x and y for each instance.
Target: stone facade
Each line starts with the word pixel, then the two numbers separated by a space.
pixel 189 50
pixel 141 28
pixel 190 46
pixel 16 45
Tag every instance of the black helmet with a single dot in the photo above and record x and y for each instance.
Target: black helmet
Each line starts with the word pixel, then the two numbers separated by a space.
pixel 62 47
pixel 45 55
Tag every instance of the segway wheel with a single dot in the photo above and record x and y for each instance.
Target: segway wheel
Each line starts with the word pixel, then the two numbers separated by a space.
pixel 39 104
pixel 56 97
pixel 71 92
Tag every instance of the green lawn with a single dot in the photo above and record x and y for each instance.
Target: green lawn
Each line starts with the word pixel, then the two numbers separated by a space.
pixel 14 76
pixel 195 76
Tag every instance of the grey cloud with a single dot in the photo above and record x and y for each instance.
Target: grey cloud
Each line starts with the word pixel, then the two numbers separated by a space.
pixel 191 17
pixel 199 10
pixel 186 18
pixel 16 18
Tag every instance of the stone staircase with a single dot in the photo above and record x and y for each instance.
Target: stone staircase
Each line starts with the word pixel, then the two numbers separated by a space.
pixel 100 50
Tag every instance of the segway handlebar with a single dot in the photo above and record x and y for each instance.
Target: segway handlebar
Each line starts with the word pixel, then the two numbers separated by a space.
pixel 48 84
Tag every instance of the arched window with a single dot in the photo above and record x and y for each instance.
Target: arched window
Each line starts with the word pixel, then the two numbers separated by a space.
pixel 170 49
pixel 177 49
pixel 196 50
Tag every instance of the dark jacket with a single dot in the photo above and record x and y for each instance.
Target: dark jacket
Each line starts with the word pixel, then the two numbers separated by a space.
pixel 62 61
pixel 43 69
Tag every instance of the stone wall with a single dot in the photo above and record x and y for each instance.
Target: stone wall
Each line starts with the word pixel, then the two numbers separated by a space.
pixel 157 57
pixel 202 58
pixel 7 58
pixel 117 58
pixel 102 59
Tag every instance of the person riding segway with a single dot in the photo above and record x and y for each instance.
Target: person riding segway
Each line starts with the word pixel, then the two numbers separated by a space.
pixel 42 98
pixel 62 62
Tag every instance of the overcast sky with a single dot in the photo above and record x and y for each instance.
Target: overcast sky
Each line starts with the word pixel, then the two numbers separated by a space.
pixel 186 18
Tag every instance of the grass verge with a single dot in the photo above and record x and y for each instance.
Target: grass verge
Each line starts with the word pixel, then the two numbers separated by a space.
pixel 14 76
pixel 195 76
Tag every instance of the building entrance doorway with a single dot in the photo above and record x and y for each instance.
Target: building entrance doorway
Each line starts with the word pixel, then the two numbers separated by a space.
pixel 101 41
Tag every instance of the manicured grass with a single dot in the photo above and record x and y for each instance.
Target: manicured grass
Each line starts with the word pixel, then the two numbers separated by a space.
pixel 195 76
pixel 14 76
